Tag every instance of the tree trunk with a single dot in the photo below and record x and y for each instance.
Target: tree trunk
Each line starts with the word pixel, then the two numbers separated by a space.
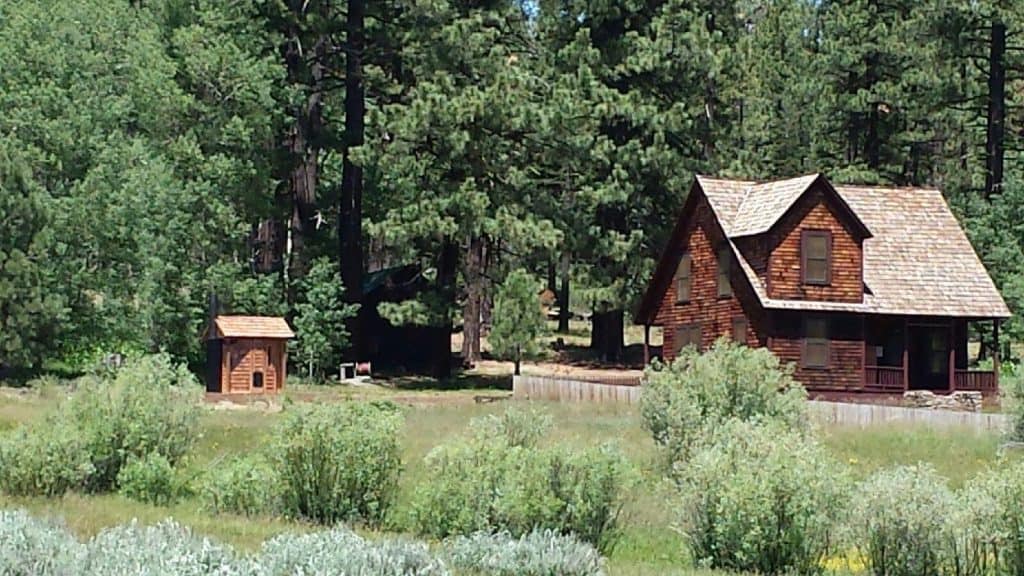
pixel 473 274
pixel 350 215
pixel 995 130
pixel 606 337
pixel 442 340
pixel 304 141
pixel 563 294
pixel 518 360
pixel 872 140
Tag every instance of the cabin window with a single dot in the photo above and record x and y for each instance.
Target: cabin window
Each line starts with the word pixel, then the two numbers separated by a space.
pixel 683 279
pixel 816 256
pixel 739 330
pixel 257 379
pixel 688 335
pixel 724 267
pixel 816 347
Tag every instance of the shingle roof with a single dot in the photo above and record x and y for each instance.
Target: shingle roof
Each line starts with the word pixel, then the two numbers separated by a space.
pixel 917 261
pixel 764 203
pixel 252 327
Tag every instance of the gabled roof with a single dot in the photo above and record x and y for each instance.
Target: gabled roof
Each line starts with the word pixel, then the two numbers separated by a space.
pixel 917 259
pixel 252 327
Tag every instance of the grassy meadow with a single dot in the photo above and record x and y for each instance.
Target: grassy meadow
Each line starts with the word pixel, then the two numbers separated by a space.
pixel 648 544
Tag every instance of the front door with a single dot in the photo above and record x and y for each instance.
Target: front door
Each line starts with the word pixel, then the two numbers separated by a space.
pixel 929 358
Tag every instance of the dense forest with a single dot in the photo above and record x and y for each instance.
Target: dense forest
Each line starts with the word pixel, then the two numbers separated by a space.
pixel 274 152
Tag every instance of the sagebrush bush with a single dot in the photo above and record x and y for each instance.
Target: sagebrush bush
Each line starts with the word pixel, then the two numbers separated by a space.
pixel 150 406
pixel 728 381
pixel 340 551
pixel 241 485
pixel 338 462
pixel 761 498
pixel 539 553
pixel 497 479
pixel 166 549
pixel 901 522
pixel 31 547
pixel 150 479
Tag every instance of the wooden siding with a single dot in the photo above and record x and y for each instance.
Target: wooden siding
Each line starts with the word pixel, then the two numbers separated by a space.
pixel 784 281
pixel 244 357
pixel 715 314
pixel 846 350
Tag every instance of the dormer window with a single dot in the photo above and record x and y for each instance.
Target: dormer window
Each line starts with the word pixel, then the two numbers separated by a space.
pixel 684 281
pixel 816 257
pixel 724 267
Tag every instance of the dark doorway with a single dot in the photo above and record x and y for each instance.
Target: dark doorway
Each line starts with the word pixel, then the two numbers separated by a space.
pixel 257 379
pixel 928 363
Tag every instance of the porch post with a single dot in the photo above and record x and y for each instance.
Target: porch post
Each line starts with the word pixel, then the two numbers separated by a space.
pixel 952 357
pixel 647 344
pixel 995 351
pixel 906 354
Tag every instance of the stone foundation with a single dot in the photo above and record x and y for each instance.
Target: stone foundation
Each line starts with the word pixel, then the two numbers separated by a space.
pixel 961 401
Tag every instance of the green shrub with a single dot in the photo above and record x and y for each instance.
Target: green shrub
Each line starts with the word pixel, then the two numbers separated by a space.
pixel 704 390
pixel 988 524
pixel 497 479
pixel 761 498
pixel 241 485
pixel 1012 384
pixel 150 479
pixel 150 406
pixel 339 551
pixel 46 460
pixel 31 547
pixel 901 522
pixel 338 462
pixel 542 553
pixel 517 426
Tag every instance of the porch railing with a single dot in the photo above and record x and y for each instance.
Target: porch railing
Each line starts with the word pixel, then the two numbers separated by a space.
pixel 979 380
pixel 883 378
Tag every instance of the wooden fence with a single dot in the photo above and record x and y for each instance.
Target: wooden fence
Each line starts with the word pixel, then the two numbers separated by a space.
pixel 565 390
pixel 843 413
pixel 850 414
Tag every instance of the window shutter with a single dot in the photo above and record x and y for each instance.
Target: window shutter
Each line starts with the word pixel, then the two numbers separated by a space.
pixel 739 330
pixel 724 266
pixel 816 256
pixel 816 352
pixel 684 278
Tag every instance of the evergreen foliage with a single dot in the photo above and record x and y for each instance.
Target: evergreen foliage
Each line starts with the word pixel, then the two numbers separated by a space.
pixel 320 319
pixel 154 152
pixel 518 318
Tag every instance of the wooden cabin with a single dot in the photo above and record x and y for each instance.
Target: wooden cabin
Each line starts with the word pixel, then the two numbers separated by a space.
pixel 865 289
pixel 247 354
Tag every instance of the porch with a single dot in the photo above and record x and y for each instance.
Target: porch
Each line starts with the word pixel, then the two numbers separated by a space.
pixel 902 354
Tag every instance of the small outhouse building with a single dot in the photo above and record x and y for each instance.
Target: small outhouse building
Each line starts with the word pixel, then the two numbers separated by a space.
pixel 247 354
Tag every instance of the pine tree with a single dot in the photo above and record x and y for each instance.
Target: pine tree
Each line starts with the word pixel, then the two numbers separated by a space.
pixel 31 308
pixel 518 319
